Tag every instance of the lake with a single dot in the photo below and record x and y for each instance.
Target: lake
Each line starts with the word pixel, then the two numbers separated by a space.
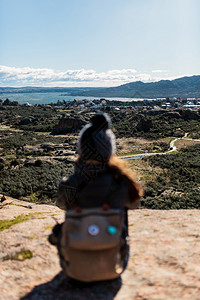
pixel 46 98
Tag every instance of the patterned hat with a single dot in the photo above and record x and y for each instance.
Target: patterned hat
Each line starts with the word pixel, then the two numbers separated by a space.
pixel 97 140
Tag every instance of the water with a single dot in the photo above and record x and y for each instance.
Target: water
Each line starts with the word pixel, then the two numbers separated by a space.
pixel 135 157
pixel 46 98
pixel 39 98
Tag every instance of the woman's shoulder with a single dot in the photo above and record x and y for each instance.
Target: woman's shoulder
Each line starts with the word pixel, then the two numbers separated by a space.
pixel 73 180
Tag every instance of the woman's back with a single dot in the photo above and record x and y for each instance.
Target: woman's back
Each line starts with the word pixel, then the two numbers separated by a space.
pixel 92 243
pixel 92 192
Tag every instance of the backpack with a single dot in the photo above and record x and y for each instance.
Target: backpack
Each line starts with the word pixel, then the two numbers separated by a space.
pixel 92 242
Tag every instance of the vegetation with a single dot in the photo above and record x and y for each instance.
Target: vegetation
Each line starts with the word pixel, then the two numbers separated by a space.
pixel 5 224
pixel 21 255
pixel 13 142
pixel 33 118
pixel 39 183
pixel 178 184
pixel 153 126
pixel 32 164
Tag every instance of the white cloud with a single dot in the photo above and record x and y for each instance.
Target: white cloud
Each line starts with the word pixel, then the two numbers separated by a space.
pixel 159 71
pixel 12 76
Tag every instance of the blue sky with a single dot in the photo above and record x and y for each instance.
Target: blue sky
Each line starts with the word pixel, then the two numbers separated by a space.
pixel 97 42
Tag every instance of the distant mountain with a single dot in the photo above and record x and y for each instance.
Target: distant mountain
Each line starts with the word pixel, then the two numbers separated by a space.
pixel 181 87
pixel 32 89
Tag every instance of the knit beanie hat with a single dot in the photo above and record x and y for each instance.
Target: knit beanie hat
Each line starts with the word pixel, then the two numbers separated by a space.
pixel 97 141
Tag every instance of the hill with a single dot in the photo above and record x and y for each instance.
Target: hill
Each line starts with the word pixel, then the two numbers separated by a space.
pixel 182 87
pixel 163 264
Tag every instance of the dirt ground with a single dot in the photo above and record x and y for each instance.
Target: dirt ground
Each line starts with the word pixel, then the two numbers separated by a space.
pixel 164 257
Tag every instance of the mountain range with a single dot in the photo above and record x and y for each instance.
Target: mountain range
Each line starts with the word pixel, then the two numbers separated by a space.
pixel 184 87
pixel 181 87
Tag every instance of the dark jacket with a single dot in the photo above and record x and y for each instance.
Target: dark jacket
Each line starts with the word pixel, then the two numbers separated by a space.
pixel 92 183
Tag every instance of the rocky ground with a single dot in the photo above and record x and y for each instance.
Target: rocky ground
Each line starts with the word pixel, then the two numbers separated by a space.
pixel 164 258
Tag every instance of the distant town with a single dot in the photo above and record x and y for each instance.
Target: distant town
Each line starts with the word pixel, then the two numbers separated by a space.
pixel 118 105
pixel 104 104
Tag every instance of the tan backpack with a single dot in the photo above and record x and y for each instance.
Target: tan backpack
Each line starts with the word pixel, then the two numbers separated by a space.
pixel 92 241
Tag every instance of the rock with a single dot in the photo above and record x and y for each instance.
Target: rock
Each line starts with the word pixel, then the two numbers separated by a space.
pixel 67 125
pixel 163 264
pixel 26 121
pixel 48 146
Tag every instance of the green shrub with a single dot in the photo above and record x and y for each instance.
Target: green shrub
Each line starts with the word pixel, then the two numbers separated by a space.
pixel 39 182
pixel 14 162
pixel 38 163
pixel 178 185
pixel 2 166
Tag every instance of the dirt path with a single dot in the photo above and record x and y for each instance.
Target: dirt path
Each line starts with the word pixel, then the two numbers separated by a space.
pixel 172 149
pixel 163 265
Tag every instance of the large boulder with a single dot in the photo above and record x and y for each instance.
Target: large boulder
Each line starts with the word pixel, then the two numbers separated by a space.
pixel 68 125
pixel 28 120
pixel 164 252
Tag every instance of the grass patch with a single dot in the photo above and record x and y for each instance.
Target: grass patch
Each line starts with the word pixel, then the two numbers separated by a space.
pixel 34 198
pixel 5 224
pixel 42 133
pixel 9 156
pixel 54 215
pixel 20 256
pixel 49 227
pixel 20 205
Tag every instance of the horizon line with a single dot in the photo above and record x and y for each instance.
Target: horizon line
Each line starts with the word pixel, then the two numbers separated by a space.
pixel 94 87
